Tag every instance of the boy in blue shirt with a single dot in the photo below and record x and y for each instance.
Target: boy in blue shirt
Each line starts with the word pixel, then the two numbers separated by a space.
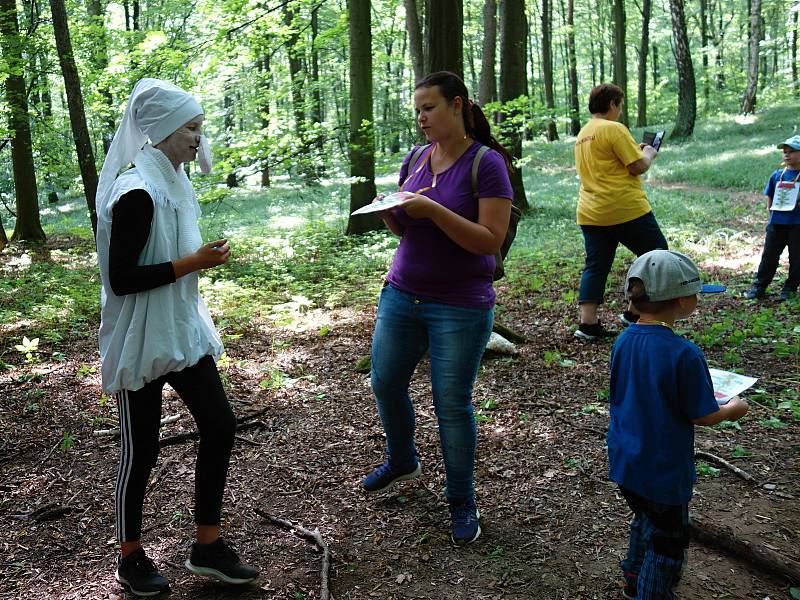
pixel 660 389
pixel 783 228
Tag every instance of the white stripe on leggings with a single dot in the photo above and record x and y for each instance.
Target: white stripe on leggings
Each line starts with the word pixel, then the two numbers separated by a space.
pixel 125 462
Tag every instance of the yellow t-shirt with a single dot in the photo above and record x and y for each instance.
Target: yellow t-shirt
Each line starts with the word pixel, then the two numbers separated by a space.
pixel 609 194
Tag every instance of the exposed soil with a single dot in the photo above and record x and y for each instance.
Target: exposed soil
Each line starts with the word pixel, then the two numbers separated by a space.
pixel 554 527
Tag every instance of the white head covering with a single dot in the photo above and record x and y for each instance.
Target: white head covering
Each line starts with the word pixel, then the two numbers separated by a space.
pixel 155 109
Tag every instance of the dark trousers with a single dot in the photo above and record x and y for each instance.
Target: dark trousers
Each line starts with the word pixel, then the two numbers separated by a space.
pixel 778 237
pixel 640 235
pixel 659 538
pixel 200 388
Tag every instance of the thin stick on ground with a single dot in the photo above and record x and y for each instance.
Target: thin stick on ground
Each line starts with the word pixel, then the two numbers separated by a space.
pixel 312 536
pixel 722 462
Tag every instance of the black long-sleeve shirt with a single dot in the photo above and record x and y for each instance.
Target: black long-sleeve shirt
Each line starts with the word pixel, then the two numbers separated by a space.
pixel 132 217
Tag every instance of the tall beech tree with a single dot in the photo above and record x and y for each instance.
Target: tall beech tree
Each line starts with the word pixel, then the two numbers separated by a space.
pixel 572 71
pixel 620 55
pixel 513 82
pixel 362 132
pixel 644 47
pixel 444 36
pixel 414 39
pixel 77 116
pixel 547 66
pixel 28 226
pixel 487 88
pixel 754 35
pixel 687 90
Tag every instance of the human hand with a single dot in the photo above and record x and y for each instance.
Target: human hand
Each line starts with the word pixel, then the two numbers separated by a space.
pixel 649 151
pixel 737 408
pixel 213 254
pixel 420 207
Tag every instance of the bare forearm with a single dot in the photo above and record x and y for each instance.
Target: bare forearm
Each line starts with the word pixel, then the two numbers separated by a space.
pixel 472 237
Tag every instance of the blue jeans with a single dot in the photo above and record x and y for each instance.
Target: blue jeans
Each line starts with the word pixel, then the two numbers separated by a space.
pixel 640 235
pixel 455 338
pixel 659 538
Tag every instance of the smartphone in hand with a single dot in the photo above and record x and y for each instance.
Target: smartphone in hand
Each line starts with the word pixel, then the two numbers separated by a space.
pixel 653 138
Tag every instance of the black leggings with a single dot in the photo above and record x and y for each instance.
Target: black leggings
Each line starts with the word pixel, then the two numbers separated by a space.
pixel 201 390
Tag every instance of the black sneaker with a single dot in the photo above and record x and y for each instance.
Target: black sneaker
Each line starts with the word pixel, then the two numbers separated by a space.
pixel 592 332
pixel 786 295
pixel 628 318
pixel 219 561
pixel 139 575
pixel 384 477
pixel 755 293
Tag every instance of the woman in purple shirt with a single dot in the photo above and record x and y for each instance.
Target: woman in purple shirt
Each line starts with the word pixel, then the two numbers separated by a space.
pixel 438 294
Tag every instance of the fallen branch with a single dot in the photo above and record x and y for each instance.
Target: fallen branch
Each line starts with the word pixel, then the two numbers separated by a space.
pixel 312 536
pixel 722 462
pixel 115 430
pixel 724 538
pixel 191 435
pixel 508 333
pixel 48 512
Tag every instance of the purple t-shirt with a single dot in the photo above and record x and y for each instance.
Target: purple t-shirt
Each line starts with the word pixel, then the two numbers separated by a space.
pixel 428 263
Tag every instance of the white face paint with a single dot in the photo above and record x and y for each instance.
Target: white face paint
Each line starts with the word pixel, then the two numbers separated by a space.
pixel 204 155
pixel 181 145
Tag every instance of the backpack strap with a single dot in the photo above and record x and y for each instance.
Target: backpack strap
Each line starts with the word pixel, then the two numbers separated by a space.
pixel 475 164
pixel 416 156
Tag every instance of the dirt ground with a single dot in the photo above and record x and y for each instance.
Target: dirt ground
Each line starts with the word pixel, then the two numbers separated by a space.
pixel 554 527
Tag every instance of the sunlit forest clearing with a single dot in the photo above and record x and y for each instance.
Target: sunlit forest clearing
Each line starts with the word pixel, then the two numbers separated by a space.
pixel 295 310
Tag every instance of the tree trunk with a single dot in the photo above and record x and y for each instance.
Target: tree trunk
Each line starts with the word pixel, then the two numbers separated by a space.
pixel 3 236
pixel 687 93
pixel 414 39
pixel 513 84
pixel 749 100
pixel 77 116
pixel 295 72
pixel 487 90
pixel 574 106
pixel 704 49
pixel 135 16
pixel 28 226
pixel 444 36
pixel 547 67
pixel 99 54
pixel 362 134
pixel 265 71
pixel 641 97
pixel 655 65
pixel 795 82
pixel 316 95
pixel 620 55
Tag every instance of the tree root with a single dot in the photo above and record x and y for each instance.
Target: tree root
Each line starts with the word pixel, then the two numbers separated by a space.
pixel 312 536
pixel 724 538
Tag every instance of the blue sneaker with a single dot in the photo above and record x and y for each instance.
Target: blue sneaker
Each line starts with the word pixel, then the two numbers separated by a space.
pixel 464 524
pixel 385 476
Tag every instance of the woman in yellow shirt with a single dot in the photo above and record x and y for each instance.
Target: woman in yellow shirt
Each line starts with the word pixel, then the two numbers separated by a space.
pixel 612 206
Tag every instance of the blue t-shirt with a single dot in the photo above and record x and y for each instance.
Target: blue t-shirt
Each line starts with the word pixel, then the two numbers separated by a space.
pixel 782 217
pixel 659 384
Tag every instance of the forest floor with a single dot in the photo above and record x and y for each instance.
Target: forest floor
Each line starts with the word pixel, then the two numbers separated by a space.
pixel 553 526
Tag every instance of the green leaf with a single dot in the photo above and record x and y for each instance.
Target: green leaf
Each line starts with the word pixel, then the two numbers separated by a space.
pixel 794 593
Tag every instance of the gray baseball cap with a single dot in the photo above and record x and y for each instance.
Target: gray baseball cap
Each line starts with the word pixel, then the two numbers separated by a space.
pixel 793 143
pixel 667 275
